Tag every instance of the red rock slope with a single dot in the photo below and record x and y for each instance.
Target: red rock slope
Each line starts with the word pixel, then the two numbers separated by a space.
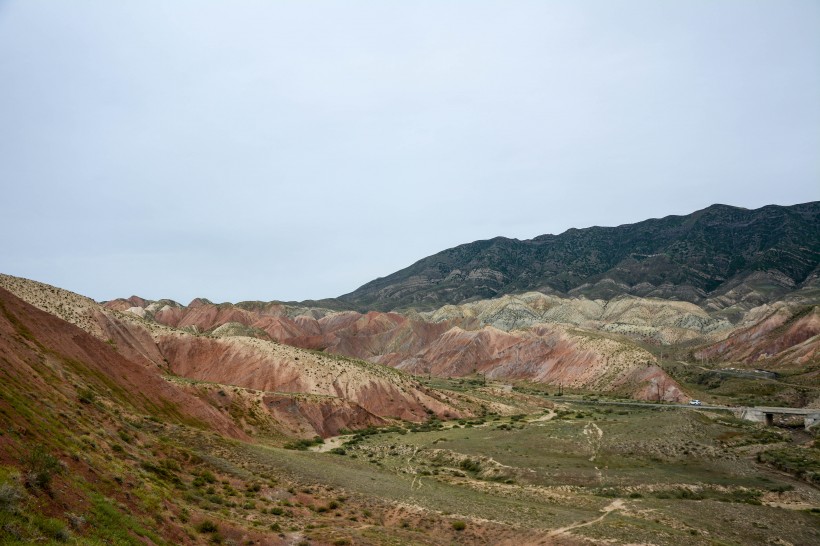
pixel 50 359
pixel 449 342
pixel 348 393
pixel 779 336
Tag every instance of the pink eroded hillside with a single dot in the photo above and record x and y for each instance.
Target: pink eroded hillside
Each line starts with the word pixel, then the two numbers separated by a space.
pixel 453 347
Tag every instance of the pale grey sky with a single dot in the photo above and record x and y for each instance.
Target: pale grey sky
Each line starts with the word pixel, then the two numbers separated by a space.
pixel 290 150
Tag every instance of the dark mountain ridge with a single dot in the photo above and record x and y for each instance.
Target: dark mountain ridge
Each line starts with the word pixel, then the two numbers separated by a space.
pixel 718 257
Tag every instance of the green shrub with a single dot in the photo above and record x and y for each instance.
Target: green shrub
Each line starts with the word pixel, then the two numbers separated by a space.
pixel 207 526
pixel 459 525
pixel 160 471
pixel 216 499
pixel 10 498
pixel 40 467
pixel 171 464
pixel 203 478
pixel 470 465
pixel 53 528
pixel 86 396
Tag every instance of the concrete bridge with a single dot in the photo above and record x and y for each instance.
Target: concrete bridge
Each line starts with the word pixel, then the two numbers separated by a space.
pixel 760 414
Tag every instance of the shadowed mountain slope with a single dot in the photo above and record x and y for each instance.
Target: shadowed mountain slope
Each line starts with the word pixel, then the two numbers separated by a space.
pixel 718 257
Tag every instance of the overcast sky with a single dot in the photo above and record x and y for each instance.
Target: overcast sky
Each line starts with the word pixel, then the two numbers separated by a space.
pixel 291 150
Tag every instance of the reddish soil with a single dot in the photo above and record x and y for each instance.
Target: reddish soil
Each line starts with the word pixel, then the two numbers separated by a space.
pixel 450 348
pixel 783 336
pixel 31 339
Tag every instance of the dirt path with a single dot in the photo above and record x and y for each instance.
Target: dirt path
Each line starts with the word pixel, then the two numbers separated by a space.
pixel 330 443
pixel 546 417
pixel 617 504
pixel 791 505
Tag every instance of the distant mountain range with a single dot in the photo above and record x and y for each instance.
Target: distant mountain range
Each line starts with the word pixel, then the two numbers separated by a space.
pixel 722 258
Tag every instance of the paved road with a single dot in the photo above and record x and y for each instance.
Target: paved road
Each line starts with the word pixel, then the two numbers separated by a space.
pixel 641 404
pixel 764 409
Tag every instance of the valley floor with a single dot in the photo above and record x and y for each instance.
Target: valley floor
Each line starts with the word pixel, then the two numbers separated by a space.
pixel 568 474
pixel 588 476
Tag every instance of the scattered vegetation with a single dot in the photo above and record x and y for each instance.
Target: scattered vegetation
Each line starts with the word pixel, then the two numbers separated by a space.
pixel 802 462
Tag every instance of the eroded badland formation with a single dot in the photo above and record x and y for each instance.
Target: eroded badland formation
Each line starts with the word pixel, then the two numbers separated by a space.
pixel 501 392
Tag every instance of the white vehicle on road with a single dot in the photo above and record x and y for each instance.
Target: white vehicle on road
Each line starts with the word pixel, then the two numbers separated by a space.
pixel 695 403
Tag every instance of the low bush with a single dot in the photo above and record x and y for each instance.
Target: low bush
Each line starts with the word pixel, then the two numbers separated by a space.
pixel 207 526
pixel 86 396
pixel 470 465
pixel 39 468
pixel 52 528
pixel 11 497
